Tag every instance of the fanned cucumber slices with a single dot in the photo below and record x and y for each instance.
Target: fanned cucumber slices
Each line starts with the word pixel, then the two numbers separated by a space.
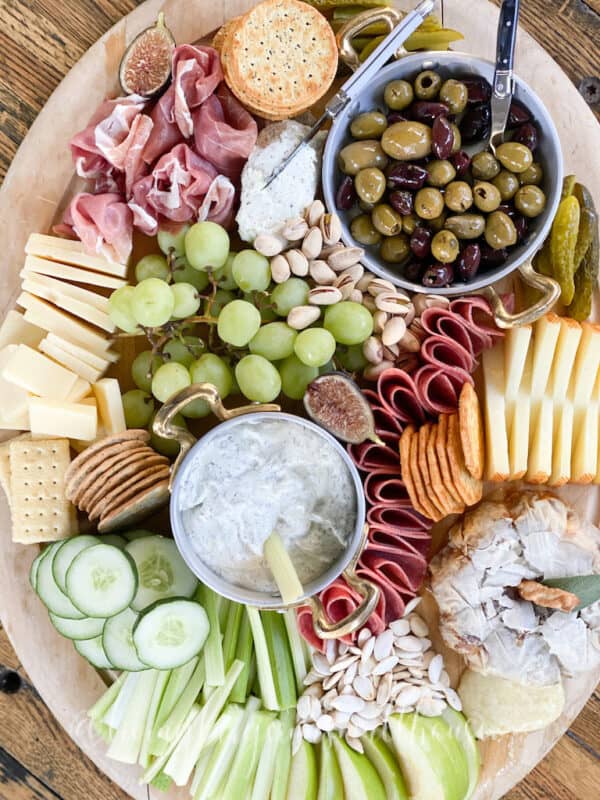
pixel 162 571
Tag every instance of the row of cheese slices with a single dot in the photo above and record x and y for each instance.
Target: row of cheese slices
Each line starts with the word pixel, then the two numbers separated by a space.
pixel 542 403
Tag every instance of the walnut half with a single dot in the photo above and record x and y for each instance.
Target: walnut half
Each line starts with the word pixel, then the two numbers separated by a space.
pixel 547 596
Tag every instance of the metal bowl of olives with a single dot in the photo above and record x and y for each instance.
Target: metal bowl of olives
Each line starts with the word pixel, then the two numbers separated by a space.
pixel 408 170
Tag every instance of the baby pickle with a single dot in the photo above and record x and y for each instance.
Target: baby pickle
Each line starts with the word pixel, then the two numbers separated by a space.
pixel 585 281
pixel 563 240
pixel 569 182
pixel 588 222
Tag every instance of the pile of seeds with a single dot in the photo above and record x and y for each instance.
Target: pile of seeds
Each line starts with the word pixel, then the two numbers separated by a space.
pixel 353 689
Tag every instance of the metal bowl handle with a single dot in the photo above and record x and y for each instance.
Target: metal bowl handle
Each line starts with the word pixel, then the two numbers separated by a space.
pixel 357 24
pixel 547 286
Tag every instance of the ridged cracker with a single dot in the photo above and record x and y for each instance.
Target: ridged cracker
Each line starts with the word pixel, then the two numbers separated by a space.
pixel 117 476
pixel 446 500
pixel 471 430
pixel 101 446
pixel 136 509
pixel 101 464
pixel 423 465
pixel 441 451
pixel 128 489
pixel 469 488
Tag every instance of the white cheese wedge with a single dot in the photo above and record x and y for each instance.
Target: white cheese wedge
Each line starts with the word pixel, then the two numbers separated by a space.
pixel 110 405
pixel 38 374
pixel 79 391
pixel 68 251
pixel 545 338
pixel 16 330
pixel 518 429
pixel 74 306
pixel 584 462
pixel 68 289
pixel 54 269
pixel 585 370
pixel 539 465
pixel 496 448
pixel 13 399
pixel 516 347
pixel 70 420
pixel 70 361
pixel 562 444
pixel 52 319
pixel 94 360
pixel 564 358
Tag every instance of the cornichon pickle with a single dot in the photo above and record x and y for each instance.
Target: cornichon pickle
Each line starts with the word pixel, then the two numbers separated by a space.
pixel 569 182
pixel 587 223
pixel 585 281
pixel 563 239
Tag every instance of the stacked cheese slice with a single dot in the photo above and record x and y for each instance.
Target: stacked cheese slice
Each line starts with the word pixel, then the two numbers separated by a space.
pixel 542 403
pixel 54 354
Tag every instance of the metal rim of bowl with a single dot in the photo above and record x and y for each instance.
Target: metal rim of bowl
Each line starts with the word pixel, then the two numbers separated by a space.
pixel 249 596
pixel 463 62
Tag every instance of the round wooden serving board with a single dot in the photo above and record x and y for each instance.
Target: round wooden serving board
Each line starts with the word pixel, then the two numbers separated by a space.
pixel 36 189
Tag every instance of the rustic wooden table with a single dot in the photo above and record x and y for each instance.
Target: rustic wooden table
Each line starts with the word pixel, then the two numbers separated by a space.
pixel 39 42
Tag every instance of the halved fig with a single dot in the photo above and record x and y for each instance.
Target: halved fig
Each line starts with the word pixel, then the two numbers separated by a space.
pixel 336 403
pixel 145 68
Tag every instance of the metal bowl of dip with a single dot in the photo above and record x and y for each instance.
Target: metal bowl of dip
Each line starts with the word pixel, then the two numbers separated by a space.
pixel 183 476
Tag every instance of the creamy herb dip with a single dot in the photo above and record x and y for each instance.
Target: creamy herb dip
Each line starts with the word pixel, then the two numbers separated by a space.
pixel 260 476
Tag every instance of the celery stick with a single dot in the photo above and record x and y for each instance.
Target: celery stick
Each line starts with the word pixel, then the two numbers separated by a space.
pixel 263 663
pixel 116 713
pixel 225 751
pixel 232 630
pixel 246 759
pixel 207 691
pixel 162 782
pixel 221 727
pixel 101 706
pixel 158 764
pixel 243 652
pixel 266 766
pixel 283 760
pixel 188 697
pixel 103 730
pixel 223 609
pixel 125 747
pixel 281 565
pixel 178 680
pixel 213 648
pixel 159 688
pixel 297 648
pixel 280 657
pixel 201 767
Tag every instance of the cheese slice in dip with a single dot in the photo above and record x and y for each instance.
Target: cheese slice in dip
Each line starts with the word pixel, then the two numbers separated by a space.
pixel 256 477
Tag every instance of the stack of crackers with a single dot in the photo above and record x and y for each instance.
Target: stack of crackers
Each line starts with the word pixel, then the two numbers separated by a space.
pixel 279 58
pixel 442 463
pixel 118 480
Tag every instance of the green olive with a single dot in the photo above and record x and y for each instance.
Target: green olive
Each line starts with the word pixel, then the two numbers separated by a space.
pixel 427 85
pixel 444 246
pixel 466 226
pixel 363 231
pixel 438 223
pixel 500 231
pixel 366 207
pixel 406 141
pixel 457 144
pixel 410 223
pixel 532 175
pixel 440 172
pixel 370 184
pixel 458 196
pixel 514 156
pixel 386 220
pixel 454 94
pixel 507 184
pixel 398 95
pixel 530 200
pixel 370 125
pixel 429 203
pixel 395 249
pixel 360 155
pixel 484 166
pixel 486 196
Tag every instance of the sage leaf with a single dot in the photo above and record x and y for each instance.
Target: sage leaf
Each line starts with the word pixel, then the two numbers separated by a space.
pixel 586 587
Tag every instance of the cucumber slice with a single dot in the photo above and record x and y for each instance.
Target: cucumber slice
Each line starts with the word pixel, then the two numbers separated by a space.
pixel 78 629
pixel 101 581
pixel 114 539
pixel 33 570
pixel 170 632
pixel 117 641
pixel 92 651
pixel 65 555
pixel 51 596
pixel 162 572
pixel 140 533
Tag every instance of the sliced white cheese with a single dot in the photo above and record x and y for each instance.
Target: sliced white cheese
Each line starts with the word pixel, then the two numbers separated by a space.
pixel 13 398
pixel 516 347
pixel 55 269
pixel 69 420
pixel 585 370
pixel 79 391
pixel 80 445
pixel 518 429
pixel 74 306
pixel 38 374
pixel 545 338
pixel 70 361
pixel 584 463
pixel 50 318
pixel 497 461
pixel 94 360
pixel 68 251
pixel 539 465
pixel 68 289
pixel 16 330
pixel 564 358
pixel 110 405
pixel 562 444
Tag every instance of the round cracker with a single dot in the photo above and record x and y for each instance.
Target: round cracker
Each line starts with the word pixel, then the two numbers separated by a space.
pixel 99 446
pixel 100 464
pixel 224 31
pixel 471 430
pixel 137 509
pixel 120 472
pixel 128 488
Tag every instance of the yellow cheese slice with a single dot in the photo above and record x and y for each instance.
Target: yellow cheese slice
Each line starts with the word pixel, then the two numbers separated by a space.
pixel 518 428
pixel 562 444
pixel 13 398
pixel 74 306
pixel 70 361
pixel 584 463
pixel 68 289
pixel 38 374
pixel 16 330
pixel 80 390
pixel 54 269
pixel 110 405
pixel 539 465
pixel 496 448
pixel 68 251
pixel 516 347
pixel 53 319
pixel 564 358
pixel 80 445
pixel 545 338
pixel 585 370
pixel 69 420
pixel 97 362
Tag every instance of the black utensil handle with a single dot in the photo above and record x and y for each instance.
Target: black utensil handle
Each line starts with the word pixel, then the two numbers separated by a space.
pixel 507 34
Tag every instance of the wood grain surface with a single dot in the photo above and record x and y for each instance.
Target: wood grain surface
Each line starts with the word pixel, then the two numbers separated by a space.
pixel 40 40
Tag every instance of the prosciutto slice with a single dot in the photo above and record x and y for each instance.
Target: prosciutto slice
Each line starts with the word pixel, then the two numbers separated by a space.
pixel 218 203
pixel 145 217
pixel 103 223
pixel 180 182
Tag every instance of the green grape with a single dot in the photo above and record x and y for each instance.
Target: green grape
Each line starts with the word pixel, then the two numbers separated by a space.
pixel 153 266
pixel 288 295
pixel 209 368
pixel 238 322
pixel 220 300
pixel 263 303
pixel 120 309
pixel 351 358
pixel 350 323
pixel 327 368
pixel 167 447
pixel 251 271
pixel 224 276
pixel 258 379
pixel 295 377
pixel 168 380
pixel 206 245
pixel 152 302
pixel 187 300
pixel 138 407
pixel 143 368
pixel 184 273
pixel 172 241
pixel 183 351
pixel 314 347
pixel 273 341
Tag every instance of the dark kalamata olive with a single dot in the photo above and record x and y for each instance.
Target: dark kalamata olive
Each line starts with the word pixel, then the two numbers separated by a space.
pixel 468 262
pixel 517 115
pixel 395 116
pixel 442 137
pixel 479 90
pixel 508 209
pixel 475 124
pixel 491 257
pixel 438 275
pixel 412 271
pixel 461 162
pixel 401 201
pixel 346 194
pixel 420 242
pixel 527 134
pixel 521 225
pixel 427 111
pixel 407 176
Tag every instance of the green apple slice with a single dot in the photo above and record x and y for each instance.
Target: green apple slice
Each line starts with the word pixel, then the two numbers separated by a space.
pixel 386 764
pixel 331 785
pixel 302 783
pixel 361 781
pixel 462 730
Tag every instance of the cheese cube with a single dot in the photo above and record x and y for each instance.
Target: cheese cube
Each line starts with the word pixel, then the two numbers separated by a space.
pixel 89 374
pixel 50 318
pixel 38 374
pixel 55 269
pixel 68 251
pixel 496 446
pixel 16 330
pixel 70 420
pixel 584 462
pixel 97 362
pixel 80 390
pixel 13 399
pixel 110 405
pixel 539 465
pixel 562 444
pixel 72 305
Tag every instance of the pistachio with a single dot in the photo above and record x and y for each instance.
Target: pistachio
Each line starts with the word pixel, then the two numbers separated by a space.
pixel 379 320
pixel 423 301
pixel 391 352
pixel 329 250
pixel 298 262
pixel 373 371
pixel 364 282
pixel 369 303
pixel 280 268
pixel 331 228
pixel 356 272
pixel 268 245
pixel 410 315
pixel 314 212
pixel 295 229
pixel 373 350
pixel 303 316
pixel 345 284
pixel 345 258
pixel 379 285
pixel 356 296
pixel 324 296
pixel 393 331
pixel 321 272
pixel 409 342
pixel 313 243
pixel 392 302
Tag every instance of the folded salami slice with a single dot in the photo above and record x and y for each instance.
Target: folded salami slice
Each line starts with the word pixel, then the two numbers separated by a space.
pixel 444 352
pixel 396 545
pixel 382 487
pixel 438 391
pixel 394 598
pixel 404 575
pixel 398 518
pixel 399 396
pixel 443 322
pixel 368 456
pixel 478 315
pixel 386 421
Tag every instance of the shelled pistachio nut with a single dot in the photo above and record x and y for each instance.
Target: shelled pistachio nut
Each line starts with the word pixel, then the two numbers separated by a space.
pixel 345 258
pixel 393 331
pixel 321 272
pixel 280 268
pixel 314 212
pixel 298 262
pixel 269 245
pixel 295 229
pixel 324 296
pixel 303 316
pixel 313 243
